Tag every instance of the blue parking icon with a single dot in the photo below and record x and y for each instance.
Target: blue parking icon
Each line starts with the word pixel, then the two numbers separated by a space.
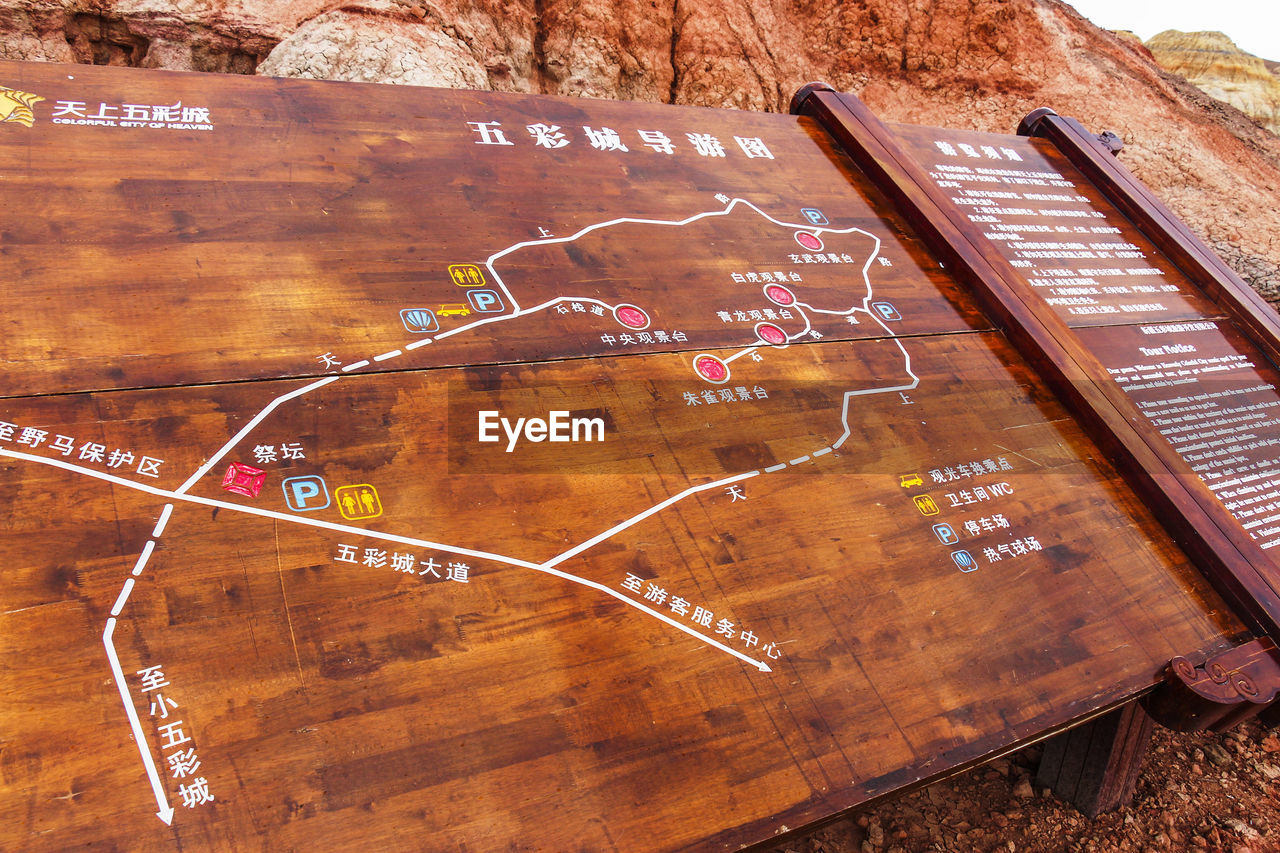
pixel 485 301
pixel 305 494
pixel 814 216
pixel 886 310
pixel 946 534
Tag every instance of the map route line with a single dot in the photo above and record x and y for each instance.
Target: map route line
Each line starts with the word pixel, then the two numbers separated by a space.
pixel 248 428
pixel 848 395
pixel 730 359
pixel 627 220
pixel 545 568
pixel 520 312
pixel 165 811
pixel 758 664
pixel 638 517
pixel 265 513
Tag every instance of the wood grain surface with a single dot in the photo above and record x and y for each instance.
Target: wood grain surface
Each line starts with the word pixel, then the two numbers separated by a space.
pixel 250 521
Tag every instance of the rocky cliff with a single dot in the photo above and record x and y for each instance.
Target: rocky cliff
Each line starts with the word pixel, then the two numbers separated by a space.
pixel 979 64
pixel 1214 64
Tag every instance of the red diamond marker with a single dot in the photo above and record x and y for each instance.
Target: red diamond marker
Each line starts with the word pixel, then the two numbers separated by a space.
pixel 244 480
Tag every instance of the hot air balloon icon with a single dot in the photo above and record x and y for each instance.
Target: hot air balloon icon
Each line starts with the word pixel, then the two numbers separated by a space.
pixel 419 320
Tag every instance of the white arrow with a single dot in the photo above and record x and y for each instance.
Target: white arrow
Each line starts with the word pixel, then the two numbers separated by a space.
pixel 157 787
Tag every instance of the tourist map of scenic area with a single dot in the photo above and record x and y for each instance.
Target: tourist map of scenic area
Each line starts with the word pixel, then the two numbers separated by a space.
pixel 407 469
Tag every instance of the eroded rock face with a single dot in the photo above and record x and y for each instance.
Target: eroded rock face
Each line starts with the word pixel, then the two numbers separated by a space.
pixel 1213 63
pixel 980 64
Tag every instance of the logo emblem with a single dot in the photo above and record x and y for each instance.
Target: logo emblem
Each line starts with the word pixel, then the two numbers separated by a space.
pixel 16 106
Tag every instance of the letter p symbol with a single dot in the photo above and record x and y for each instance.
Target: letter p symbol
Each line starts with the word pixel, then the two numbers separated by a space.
pixel 485 301
pixel 305 494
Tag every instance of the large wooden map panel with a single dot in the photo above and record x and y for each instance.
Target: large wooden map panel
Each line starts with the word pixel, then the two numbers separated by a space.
pixel 266 586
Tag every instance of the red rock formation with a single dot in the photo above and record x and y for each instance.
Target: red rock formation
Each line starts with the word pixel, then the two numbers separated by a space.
pixel 963 63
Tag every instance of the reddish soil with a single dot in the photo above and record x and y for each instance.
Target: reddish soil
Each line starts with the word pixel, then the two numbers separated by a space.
pixel 1197 792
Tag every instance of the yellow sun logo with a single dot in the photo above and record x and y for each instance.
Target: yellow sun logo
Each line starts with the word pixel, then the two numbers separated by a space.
pixel 16 106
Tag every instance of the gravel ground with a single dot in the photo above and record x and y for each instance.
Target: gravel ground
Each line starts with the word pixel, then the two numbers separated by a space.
pixel 1197 792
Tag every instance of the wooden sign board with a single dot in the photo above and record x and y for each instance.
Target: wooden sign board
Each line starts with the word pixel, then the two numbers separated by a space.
pixel 1207 389
pixel 492 471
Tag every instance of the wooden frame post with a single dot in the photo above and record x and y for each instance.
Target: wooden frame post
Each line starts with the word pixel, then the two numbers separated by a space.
pixel 1095 766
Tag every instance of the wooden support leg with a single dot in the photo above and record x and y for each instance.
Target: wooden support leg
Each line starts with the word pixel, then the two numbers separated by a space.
pixel 1095 766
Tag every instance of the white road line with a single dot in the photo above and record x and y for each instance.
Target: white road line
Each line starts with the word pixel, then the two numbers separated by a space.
pixel 144 556
pixel 355 365
pixel 760 665
pixel 387 355
pixel 848 395
pixel 249 427
pixel 122 597
pixel 546 568
pixel 798 461
pixel 823 452
pixel 165 812
pixel 675 223
pixel 739 354
pixel 416 344
pixel 777 467
pixel 521 312
pixel 635 519
pixel 264 513
pixel 164 519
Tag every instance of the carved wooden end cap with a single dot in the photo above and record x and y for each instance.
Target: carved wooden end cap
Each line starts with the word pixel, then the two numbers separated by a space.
pixel 1027 127
pixel 1220 692
pixel 802 94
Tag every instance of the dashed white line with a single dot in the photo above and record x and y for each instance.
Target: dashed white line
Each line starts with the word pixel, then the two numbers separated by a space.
pixel 145 555
pixel 122 597
pixel 164 519
pixel 823 452
pixel 387 355
pixel 355 365
pixel 416 344
pixel 777 467
pixel 804 458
